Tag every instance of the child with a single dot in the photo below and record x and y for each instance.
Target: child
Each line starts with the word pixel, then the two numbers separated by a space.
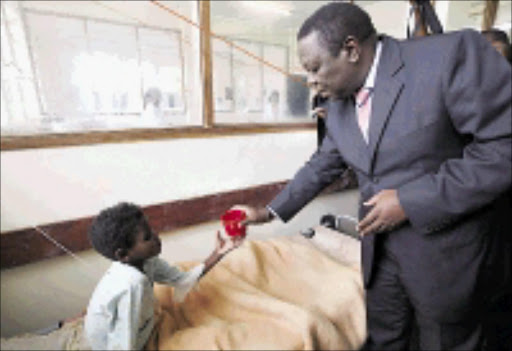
pixel 120 312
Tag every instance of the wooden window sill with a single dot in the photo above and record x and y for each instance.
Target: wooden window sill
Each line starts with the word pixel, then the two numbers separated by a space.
pixel 9 143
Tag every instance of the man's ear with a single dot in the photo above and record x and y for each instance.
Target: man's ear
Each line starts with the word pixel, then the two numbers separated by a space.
pixel 353 49
pixel 122 255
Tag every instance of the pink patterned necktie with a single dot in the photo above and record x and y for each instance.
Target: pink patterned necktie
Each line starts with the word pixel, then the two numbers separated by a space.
pixel 364 109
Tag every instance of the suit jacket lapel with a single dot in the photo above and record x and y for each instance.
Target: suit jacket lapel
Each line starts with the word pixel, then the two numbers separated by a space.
pixel 388 86
pixel 350 134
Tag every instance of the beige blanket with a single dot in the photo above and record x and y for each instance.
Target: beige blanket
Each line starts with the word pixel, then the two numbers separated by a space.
pixel 278 294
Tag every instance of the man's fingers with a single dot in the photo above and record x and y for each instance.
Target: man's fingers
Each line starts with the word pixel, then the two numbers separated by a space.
pixel 250 215
pixel 245 222
pixel 372 201
pixel 367 220
pixel 375 227
pixel 386 214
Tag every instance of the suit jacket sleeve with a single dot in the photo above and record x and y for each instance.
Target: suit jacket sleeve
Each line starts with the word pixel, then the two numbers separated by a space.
pixel 323 168
pixel 477 96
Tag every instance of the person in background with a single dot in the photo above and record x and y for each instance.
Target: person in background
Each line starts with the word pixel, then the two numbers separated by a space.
pixel 152 104
pixel 120 314
pixel 426 126
pixel 271 111
pixel 499 39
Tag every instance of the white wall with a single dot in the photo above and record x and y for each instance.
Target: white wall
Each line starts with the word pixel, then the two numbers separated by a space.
pixel 50 185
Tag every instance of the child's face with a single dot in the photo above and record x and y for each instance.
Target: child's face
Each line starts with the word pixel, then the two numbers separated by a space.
pixel 146 245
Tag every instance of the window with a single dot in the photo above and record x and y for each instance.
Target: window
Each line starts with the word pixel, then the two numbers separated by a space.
pixel 106 75
pixel 78 66
pixel 470 14
pixel 257 78
pixel 246 89
pixel 19 100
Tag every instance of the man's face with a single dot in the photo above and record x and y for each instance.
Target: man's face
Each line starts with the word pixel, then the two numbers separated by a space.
pixel 334 77
pixel 146 245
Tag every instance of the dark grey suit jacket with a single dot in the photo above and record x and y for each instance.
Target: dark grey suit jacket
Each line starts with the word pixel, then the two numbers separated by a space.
pixel 440 133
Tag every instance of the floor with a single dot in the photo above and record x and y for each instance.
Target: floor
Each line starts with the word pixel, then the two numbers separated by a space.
pixel 37 295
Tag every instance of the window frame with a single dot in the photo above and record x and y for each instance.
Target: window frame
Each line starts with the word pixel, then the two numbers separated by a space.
pixel 208 129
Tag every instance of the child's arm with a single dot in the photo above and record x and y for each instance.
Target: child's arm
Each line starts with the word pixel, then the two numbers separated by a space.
pixel 222 247
pixel 184 281
pixel 170 274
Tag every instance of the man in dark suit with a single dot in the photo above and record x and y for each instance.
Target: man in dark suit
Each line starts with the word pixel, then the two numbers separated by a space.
pixel 426 126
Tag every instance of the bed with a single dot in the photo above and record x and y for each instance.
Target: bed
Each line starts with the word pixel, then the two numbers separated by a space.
pixel 284 293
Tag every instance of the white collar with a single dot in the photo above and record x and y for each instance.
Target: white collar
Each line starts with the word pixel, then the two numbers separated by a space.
pixel 370 78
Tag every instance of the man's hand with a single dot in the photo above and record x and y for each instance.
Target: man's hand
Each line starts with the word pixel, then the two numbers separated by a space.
pixel 223 246
pixel 386 214
pixel 254 215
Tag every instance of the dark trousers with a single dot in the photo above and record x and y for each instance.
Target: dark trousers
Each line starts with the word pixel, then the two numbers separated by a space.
pixel 394 323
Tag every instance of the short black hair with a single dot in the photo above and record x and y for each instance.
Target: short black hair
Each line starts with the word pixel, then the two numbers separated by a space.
pixel 115 228
pixel 500 36
pixel 335 22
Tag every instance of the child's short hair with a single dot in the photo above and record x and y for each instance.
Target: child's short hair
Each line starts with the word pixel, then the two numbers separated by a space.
pixel 115 228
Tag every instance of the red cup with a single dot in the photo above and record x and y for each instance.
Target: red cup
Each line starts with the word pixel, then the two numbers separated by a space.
pixel 231 220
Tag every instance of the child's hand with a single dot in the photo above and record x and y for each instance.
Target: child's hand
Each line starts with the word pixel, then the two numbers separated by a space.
pixel 223 246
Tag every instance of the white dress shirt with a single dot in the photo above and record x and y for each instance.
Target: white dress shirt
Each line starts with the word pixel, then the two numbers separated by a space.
pixel 121 310
pixel 370 78
pixel 370 83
